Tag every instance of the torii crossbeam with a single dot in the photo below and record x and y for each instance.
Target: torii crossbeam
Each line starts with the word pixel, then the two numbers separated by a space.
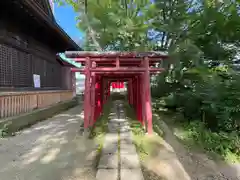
pixel 101 68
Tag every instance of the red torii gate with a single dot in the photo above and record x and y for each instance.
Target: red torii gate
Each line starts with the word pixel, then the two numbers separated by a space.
pixel 117 85
pixel 102 68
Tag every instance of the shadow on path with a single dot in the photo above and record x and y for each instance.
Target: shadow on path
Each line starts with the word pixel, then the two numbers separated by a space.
pixel 49 150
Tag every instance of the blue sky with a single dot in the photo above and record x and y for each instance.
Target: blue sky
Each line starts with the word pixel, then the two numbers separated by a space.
pixel 66 18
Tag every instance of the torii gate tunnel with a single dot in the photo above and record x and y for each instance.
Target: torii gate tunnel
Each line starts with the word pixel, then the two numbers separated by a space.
pixel 102 68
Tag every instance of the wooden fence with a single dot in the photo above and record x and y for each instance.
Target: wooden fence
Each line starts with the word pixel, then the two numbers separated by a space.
pixel 15 103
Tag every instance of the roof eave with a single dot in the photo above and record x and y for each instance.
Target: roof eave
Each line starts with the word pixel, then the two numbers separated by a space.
pixel 65 63
pixel 53 24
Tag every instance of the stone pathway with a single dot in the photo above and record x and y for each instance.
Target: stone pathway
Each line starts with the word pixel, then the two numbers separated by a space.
pixel 119 159
pixel 49 150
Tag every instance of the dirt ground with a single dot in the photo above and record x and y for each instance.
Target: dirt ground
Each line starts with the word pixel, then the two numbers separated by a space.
pixel 50 150
pixel 171 160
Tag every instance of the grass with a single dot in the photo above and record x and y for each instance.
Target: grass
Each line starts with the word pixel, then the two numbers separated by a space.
pixel 100 128
pixel 4 131
pixel 144 143
pixel 197 137
pixel 218 145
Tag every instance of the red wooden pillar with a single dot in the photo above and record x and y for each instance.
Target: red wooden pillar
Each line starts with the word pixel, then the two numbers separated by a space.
pixel 106 91
pixel 97 112
pixel 131 91
pixel 101 95
pixel 93 84
pixel 99 99
pixel 87 106
pixel 96 99
pixel 148 103
pixel 135 95
pixel 109 88
pixel 128 92
pixel 143 100
pixel 103 91
pixel 138 98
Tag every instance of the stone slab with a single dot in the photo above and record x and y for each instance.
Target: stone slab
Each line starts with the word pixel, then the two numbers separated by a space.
pixel 113 126
pixel 111 138
pixel 129 161
pixel 110 148
pixel 125 135
pixel 113 123
pixel 119 120
pixel 114 120
pixel 108 161
pixel 105 174
pixel 124 126
pixel 113 131
pixel 112 117
pixel 124 130
pixel 124 123
pixel 127 149
pixel 126 141
pixel 132 174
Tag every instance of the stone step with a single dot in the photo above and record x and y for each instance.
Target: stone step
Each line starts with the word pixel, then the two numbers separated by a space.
pixel 110 148
pixel 122 130
pixel 114 126
pixel 108 161
pixel 110 164
pixel 131 174
pixel 125 135
pixel 129 161
pixel 111 138
pixel 126 141
pixel 127 149
pixel 105 174
pixel 113 131
pixel 118 120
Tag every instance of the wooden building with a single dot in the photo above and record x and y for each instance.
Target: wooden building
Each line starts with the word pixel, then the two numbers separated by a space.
pixel 30 38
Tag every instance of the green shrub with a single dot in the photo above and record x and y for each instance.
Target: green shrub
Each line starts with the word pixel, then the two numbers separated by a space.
pixel 222 143
pixel 4 131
